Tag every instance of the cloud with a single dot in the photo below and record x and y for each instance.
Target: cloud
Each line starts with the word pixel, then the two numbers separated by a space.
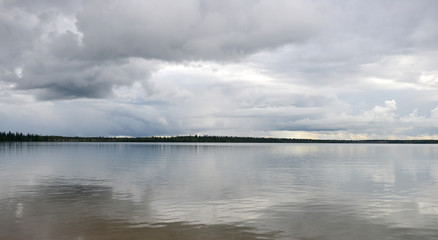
pixel 54 79
pixel 192 29
pixel 382 113
pixel 64 49
pixel 230 67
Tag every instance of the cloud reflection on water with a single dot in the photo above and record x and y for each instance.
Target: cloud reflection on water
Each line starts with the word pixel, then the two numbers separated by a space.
pixel 288 191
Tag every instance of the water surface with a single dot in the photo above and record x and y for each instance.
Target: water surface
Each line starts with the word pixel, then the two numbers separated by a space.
pixel 218 191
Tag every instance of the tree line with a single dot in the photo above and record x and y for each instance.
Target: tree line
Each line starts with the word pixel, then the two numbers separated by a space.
pixel 20 137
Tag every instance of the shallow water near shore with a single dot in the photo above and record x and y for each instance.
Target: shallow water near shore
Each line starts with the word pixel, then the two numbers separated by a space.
pixel 218 191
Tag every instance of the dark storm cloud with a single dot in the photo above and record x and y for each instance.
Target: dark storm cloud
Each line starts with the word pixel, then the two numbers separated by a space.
pixel 57 44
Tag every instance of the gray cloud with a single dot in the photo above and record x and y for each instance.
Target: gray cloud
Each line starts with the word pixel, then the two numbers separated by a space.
pixel 65 43
pixel 192 29
pixel 358 33
pixel 244 67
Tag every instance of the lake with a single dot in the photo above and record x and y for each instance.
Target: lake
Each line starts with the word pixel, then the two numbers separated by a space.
pixel 89 191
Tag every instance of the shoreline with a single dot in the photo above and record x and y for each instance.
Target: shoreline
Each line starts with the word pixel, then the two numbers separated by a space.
pixel 19 137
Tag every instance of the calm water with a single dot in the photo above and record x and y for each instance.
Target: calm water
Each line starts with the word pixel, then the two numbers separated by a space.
pixel 83 191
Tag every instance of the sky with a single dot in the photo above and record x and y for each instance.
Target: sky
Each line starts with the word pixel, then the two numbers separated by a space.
pixel 323 69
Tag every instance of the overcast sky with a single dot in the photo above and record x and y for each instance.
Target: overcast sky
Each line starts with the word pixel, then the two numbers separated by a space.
pixel 282 68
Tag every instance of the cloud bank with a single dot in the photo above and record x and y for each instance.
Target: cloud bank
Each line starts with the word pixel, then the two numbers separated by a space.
pixel 320 69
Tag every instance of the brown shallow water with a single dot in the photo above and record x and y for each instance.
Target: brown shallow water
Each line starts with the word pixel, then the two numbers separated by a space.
pixel 95 229
pixel 64 211
pixel 218 191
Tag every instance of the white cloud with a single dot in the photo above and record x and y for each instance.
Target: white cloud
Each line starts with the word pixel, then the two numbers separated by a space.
pixel 382 113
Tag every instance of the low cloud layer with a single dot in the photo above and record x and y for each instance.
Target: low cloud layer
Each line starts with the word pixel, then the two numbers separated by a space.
pixel 322 69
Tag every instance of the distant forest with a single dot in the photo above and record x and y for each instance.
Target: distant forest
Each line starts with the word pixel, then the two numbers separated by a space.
pixel 20 137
